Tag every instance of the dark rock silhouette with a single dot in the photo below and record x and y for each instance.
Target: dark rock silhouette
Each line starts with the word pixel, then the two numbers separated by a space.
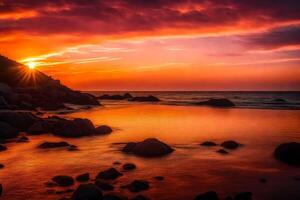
pixel 150 147
pixel 1 190
pixel 3 148
pixel 20 120
pixel 23 139
pixel 243 196
pixel 73 148
pixel 1 166
pixel 83 177
pixel 103 130
pixel 138 185
pixel 3 103
pixel 104 185
pixel 115 97
pixel 159 178
pixel 63 180
pixel 7 131
pixel 129 166
pixel 230 144
pixel 140 197
pixel 114 197
pixel 211 195
pixel 222 151
pixel 30 89
pixel 49 145
pixel 109 174
pixel 87 192
pixel 208 144
pixel 288 153
pixel 217 103
pixel 149 98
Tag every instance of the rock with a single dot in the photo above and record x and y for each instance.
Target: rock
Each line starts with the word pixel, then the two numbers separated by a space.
pixel 20 120
pixel 230 144
pixel 159 178
pixel 208 144
pixel 288 153
pixel 211 195
pixel 7 131
pixel 63 180
pixel 73 148
pixel 23 139
pixel 113 197
pixel 150 147
pixel 138 185
pixel 3 148
pixel 222 151
pixel 140 197
pixel 129 166
pixel 52 106
pixel 128 148
pixel 217 103
pixel 111 173
pixel 87 192
pixel 279 100
pixel 103 130
pixel 83 177
pixel 37 128
pixel 51 184
pixel 243 196
pixel 49 145
pixel 127 95
pixel 117 163
pixel 1 166
pixel 1 189
pixel 149 98
pixel 104 185
pixel 64 191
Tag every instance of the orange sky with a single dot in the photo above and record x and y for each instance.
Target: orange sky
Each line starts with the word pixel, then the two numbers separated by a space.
pixel 157 45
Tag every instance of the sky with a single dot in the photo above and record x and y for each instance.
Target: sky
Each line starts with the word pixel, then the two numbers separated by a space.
pixel 157 44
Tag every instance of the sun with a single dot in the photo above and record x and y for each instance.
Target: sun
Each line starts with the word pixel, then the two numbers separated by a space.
pixel 31 65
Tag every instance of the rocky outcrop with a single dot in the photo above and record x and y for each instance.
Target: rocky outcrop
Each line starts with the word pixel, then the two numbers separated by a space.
pixel 217 103
pixel 208 144
pixel 103 130
pixel 104 185
pixel 149 98
pixel 87 192
pixel 148 148
pixel 7 131
pixel 20 120
pixel 230 144
pixel 63 180
pixel 288 153
pixel 83 177
pixel 109 174
pixel 51 145
pixel 138 185
pixel 115 97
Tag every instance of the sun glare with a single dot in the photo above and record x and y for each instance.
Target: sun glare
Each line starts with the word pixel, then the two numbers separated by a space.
pixel 31 65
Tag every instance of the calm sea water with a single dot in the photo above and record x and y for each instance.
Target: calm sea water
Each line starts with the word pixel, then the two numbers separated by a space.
pixel 191 169
pixel 266 100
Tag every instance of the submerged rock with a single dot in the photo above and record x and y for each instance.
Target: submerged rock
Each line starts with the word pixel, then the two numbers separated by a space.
pixel 222 151
pixel 63 180
pixel 103 130
pixel 243 196
pixel 138 185
pixel 114 197
pixel 73 148
pixel 1 190
pixel 230 144
pixel 7 131
pixel 208 144
pixel 115 97
pixel 3 148
pixel 87 192
pixel 109 174
pixel 211 195
pixel 49 145
pixel 83 177
pixel 1 166
pixel 149 98
pixel 159 178
pixel 140 197
pixel 150 147
pixel 129 166
pixel 288 153
pixel 222 102
pixel 104 185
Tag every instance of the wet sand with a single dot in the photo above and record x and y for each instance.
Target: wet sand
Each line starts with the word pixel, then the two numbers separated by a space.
pixel 190 170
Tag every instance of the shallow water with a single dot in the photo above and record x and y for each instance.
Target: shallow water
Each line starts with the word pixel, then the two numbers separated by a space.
pixel 190 170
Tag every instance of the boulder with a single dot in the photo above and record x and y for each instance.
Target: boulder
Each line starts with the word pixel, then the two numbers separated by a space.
pixel 140 197
pixel 50 145
pixel 63 180
pixel 114 197
pixel 109 174
pixel 222 102
pixel 73 148
pixel 222 151
pixel 150 147
pixel 3 148
pixel 159 178
pixel 1 166
pixel 1 189
pixel 115 97
pixel 211 195
pixel 138 185
pixel 129 166
pixel 149 98
pixel 87 192
pixel 230 144
pixel 208 144
pixel 288 153
pixel 103 130
pixel 40 127
pixel 83 177
pixel 243 196
pixel 104 185
pixel 7 131
pixel 20 120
